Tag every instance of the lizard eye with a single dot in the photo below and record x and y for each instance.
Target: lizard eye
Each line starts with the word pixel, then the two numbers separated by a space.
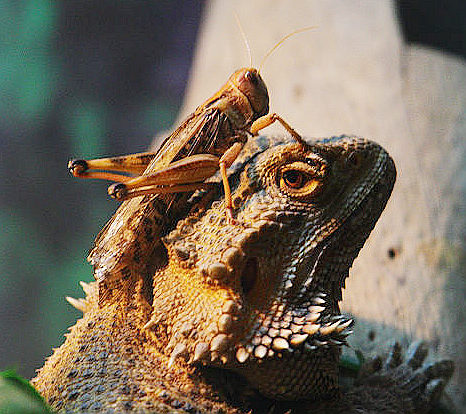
pixel 293 178
pixel 299 179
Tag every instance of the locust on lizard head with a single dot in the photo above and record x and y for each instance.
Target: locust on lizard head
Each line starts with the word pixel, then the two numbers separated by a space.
pixel 209 140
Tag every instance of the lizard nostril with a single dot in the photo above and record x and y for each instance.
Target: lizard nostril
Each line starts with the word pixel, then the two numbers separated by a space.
pixel 249 275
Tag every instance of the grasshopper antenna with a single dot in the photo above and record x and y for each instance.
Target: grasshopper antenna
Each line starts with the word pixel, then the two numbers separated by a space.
pixel 245 39
pixel 282 40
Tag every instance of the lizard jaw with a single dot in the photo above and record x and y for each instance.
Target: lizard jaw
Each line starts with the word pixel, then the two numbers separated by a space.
pixel 237 283
pixel 279 327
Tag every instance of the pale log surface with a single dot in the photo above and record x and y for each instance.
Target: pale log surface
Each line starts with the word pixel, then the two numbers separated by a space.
pixel 354 75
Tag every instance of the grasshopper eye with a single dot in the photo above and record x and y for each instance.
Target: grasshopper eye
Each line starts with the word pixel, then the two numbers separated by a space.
pixel 251 77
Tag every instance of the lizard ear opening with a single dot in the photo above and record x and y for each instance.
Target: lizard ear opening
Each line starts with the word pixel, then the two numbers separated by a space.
pixel 249 275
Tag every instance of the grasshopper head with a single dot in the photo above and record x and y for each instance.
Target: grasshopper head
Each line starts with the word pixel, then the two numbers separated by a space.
pixel 251 85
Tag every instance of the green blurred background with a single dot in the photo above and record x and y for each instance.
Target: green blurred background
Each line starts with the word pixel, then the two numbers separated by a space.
pixel 77 79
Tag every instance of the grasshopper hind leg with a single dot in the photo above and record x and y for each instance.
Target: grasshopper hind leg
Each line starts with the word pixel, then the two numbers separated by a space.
pixel 98 168
pixel 183 175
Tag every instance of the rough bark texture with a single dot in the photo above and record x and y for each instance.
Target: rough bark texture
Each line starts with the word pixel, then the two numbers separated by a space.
pixel 353 74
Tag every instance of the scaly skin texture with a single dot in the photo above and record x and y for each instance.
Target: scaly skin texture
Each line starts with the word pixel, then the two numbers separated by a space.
pixel 255 301
pixel 125 250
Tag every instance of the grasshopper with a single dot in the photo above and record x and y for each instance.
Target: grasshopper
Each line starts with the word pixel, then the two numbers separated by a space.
pixel 209 140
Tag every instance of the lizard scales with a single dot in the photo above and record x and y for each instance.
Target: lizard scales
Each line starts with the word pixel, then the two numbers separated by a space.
pixel 257 300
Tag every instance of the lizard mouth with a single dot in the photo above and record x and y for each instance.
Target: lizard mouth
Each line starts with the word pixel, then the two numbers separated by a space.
pixel 273 329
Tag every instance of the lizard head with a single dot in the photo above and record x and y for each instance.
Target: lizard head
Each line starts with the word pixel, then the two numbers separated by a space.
pixel 261 296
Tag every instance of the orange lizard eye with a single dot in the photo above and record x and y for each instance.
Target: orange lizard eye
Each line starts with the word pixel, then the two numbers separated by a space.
pixel 299 179
pixel 293 178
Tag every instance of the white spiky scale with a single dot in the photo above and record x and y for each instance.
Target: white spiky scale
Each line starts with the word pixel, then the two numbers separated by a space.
pixel 285 333
pixel 219 342
pixel 298 339
pixel 201 350
pixel 80 304
pixel 312 317
pixel 87 288
pixel 266 340
pixel 280 344
pixel 179 350
pixel 318 300
pixel 328 329
pixel 260 351
pixel 311 329
pixel 342 326
pixel 273 332
pixel 242 355
pixel 316 309
pixel 224 322
pixel 295 328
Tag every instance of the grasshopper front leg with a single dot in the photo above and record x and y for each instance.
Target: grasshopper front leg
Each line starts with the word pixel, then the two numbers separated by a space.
pixel 225 162
pixel 133 164
pixel 269 119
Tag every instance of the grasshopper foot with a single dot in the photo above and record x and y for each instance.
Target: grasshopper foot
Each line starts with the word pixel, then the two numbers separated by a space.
pixel 230 216
pixel 77 167
pixel 118 191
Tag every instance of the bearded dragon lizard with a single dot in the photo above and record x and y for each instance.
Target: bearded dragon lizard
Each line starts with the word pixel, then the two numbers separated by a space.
pixel 246 316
